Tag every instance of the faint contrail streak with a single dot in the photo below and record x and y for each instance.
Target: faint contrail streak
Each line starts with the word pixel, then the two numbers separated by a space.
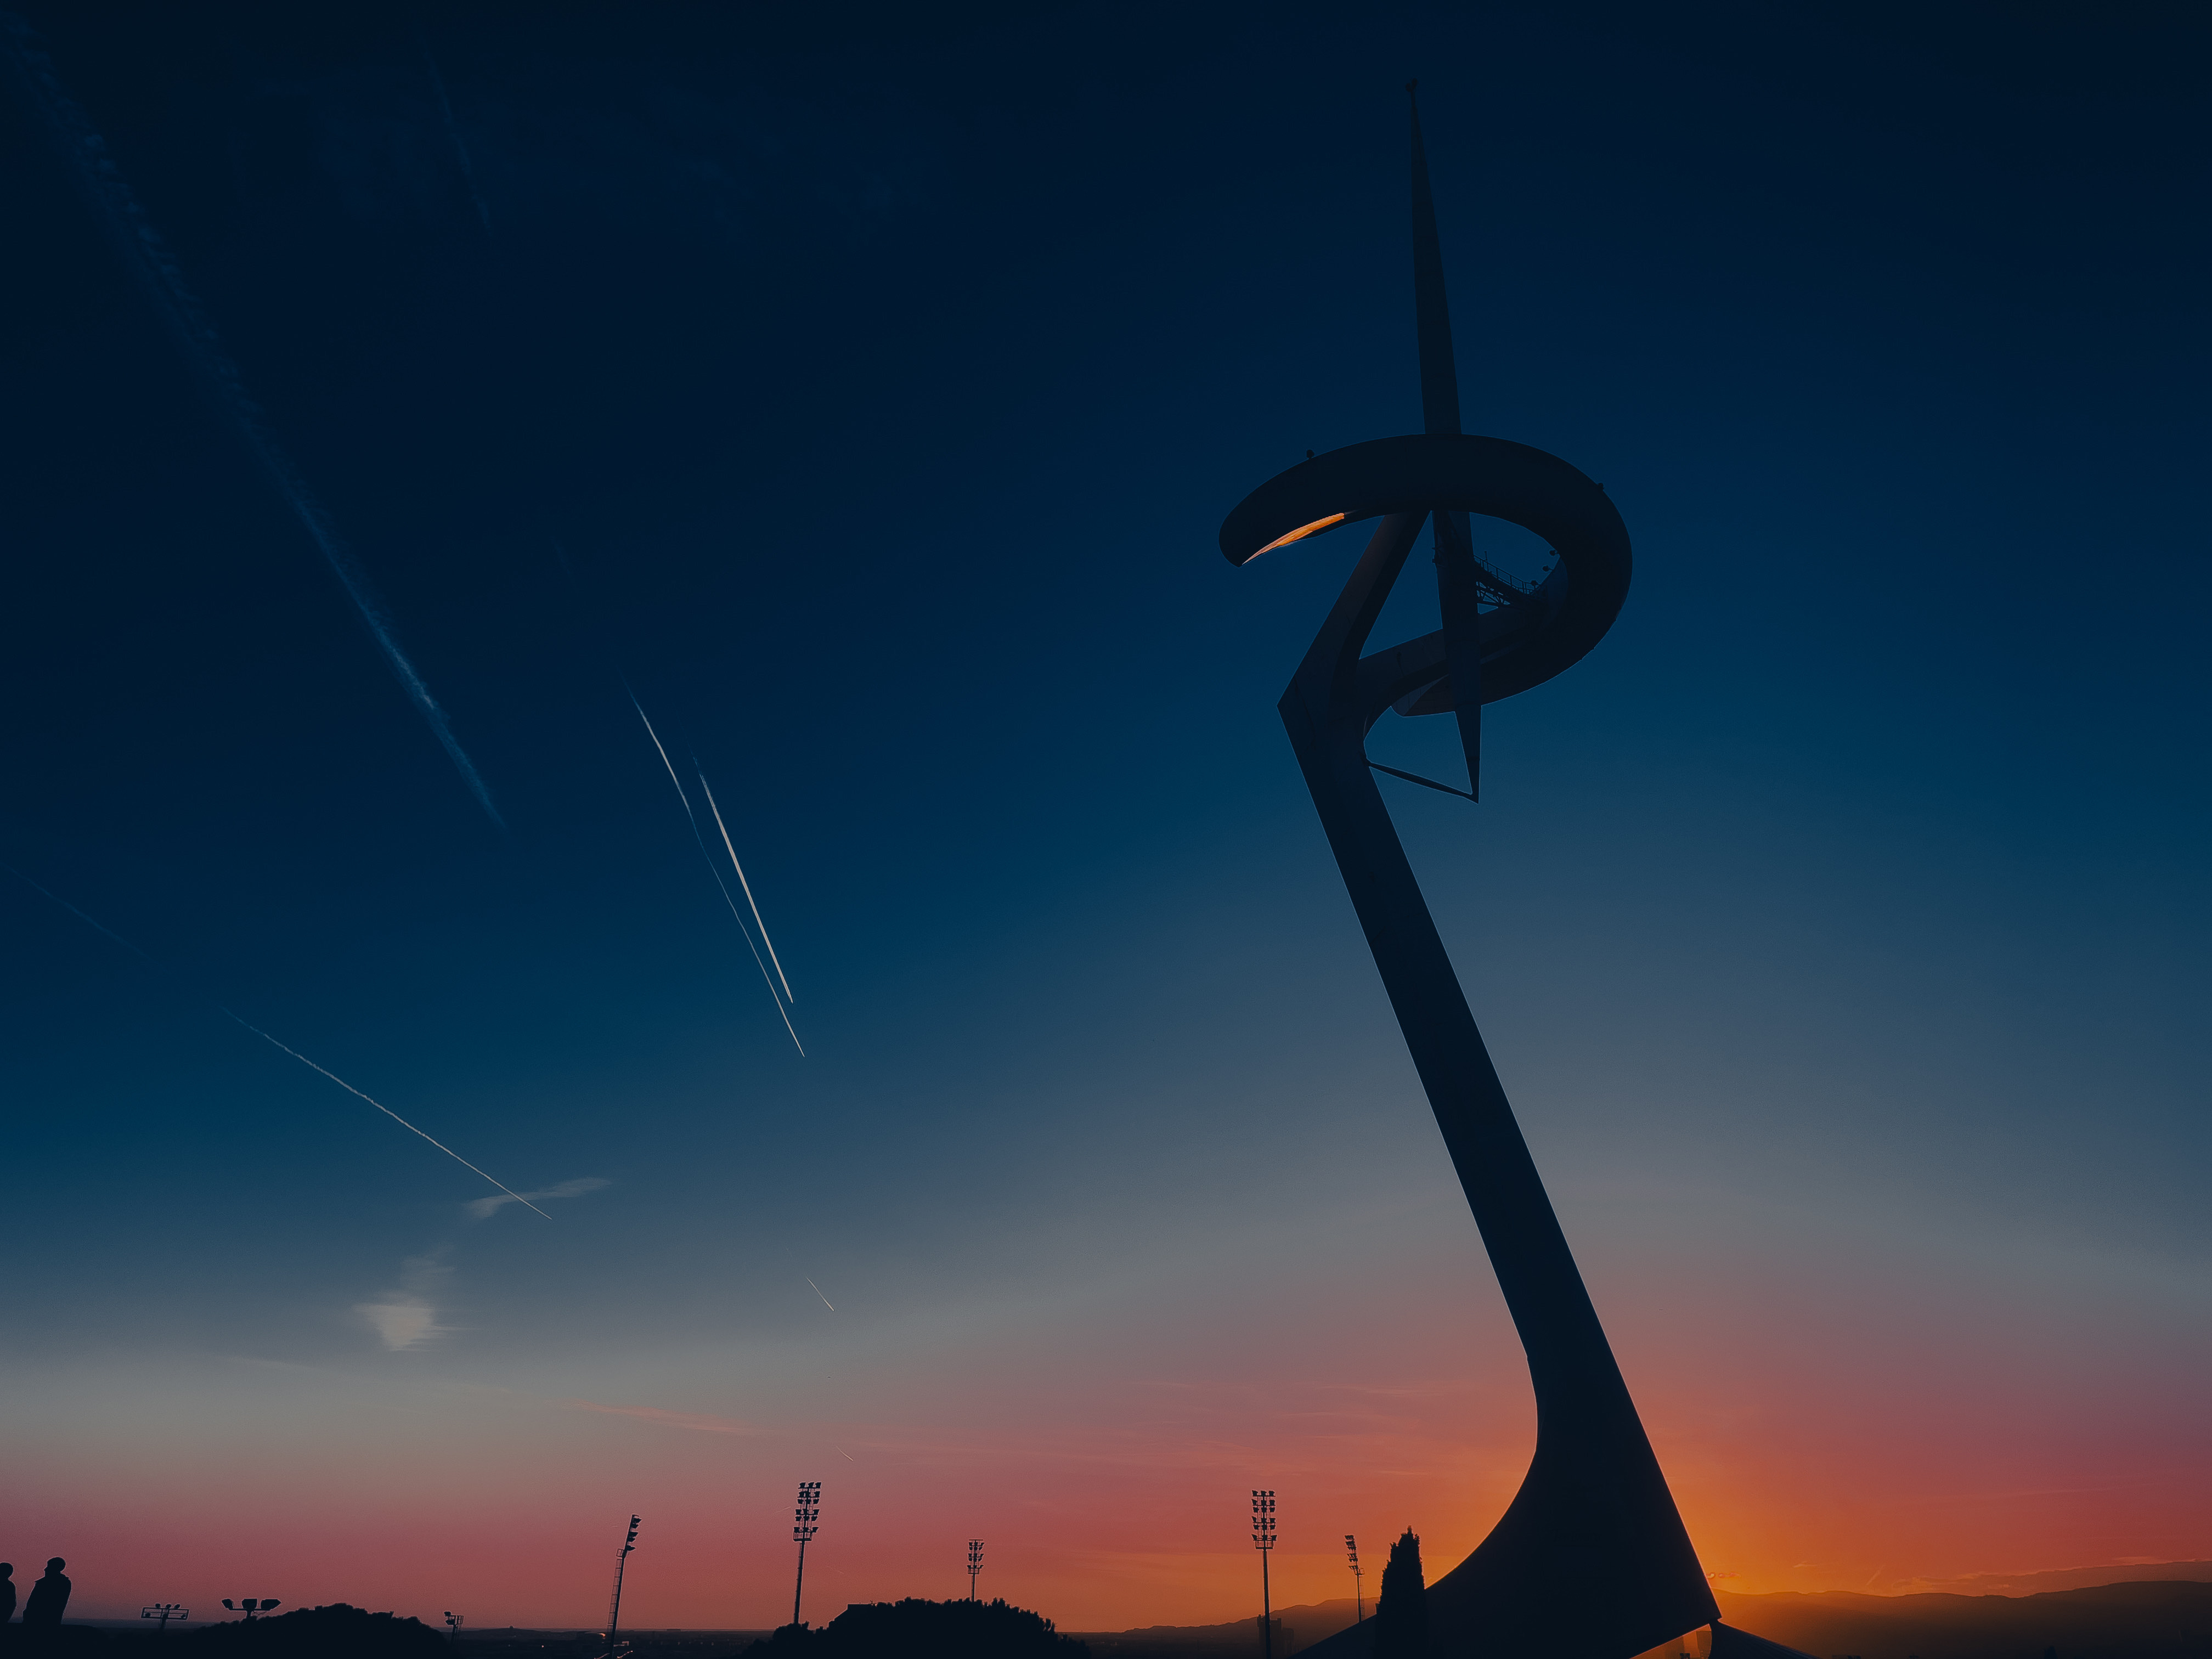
pixel 713 870
pixel 742 882
pixel 816 1289
pixel 126 222
pixel 453 133
pixel 265 1037
pixel 386 1110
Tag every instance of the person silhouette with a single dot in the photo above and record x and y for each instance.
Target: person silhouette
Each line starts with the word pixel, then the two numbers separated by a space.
pixel 43 1608
pixel 7 1591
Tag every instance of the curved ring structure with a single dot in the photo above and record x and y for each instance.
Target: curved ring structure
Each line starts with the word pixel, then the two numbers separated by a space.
pixel 1547 632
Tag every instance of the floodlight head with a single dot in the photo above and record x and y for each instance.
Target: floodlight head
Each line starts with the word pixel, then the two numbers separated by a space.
pixel 1263 1519
pixel 227 1603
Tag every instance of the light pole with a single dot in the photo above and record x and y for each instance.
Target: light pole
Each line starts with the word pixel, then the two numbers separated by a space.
pixel 164 1612
pixel 614 1603
pixel 1352 1550
pixel 453 1622
pixel 974 1564
pixel 802 1529
pixel 1263 1540
pixel 250 1608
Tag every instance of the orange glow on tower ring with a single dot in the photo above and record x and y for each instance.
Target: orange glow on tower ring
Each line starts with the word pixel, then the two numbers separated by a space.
pixel 1302 531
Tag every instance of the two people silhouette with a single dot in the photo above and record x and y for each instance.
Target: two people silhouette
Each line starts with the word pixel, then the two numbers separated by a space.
pixel 48 1596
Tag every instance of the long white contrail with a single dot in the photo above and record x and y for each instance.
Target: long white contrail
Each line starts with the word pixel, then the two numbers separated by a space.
pixel 92 922
pixel 816 1289
pixel 155 266
pixel 386 1110
pixel 742 882
pixel 713 870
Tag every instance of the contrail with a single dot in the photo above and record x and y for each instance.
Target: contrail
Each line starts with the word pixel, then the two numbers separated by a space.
pixel 713 870
pixel 265 1037
pixel 453 133
pixel 742 882
pixel 386 1110
pixel 816 1289
pixel 149 258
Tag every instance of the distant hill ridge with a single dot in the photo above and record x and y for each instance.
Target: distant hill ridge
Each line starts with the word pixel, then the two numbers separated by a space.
pixel 2134 1620
pixel 2066 1578
pixel 2150 1610
pixel 1306 1624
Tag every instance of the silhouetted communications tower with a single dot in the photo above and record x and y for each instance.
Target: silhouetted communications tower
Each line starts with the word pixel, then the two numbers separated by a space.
pixel 1590 1561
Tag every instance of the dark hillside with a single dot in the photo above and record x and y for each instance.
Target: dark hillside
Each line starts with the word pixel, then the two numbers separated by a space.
pixel 2111 1621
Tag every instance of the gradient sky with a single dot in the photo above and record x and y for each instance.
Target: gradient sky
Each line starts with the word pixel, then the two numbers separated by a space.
pixel 868 391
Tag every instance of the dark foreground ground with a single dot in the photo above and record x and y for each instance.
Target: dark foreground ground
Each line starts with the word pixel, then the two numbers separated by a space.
pixel 2151 1620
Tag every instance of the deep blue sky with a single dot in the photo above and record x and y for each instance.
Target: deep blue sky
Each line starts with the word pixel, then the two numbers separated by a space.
pixel 868 389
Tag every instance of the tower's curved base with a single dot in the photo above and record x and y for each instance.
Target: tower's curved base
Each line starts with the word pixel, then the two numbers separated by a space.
pixel 1550 1634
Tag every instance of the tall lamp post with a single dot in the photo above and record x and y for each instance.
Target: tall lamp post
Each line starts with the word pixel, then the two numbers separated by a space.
pixel 802 1529
pixel 454 1623
pixel 1263 1540
pixel 614 1605
pixel 251 1608
pixel 974 1564
pixel 164 1612
pixel 1352 1551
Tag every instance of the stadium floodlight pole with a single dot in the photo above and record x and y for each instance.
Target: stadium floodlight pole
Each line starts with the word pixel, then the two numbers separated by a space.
pixel 1263 1540
pixel 250 1606
pixel 614 1606
pixel 453 1622
pixel 974 1564
pixel 802 1529
pixel 1352 1550
pixel 163 1612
